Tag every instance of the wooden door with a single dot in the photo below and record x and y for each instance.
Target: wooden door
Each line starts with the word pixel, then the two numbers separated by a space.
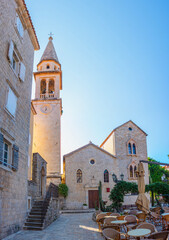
pixel 93 196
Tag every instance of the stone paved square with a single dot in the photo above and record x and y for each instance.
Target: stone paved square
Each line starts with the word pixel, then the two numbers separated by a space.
pixel 79 226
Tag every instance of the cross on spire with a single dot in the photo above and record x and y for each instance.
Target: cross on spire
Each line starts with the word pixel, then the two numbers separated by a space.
pixel 50 36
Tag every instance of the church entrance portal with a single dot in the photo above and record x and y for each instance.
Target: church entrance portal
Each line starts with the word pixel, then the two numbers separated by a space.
pixel 93 196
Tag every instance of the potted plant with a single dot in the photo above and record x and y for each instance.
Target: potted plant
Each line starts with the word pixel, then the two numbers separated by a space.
pixel 85 206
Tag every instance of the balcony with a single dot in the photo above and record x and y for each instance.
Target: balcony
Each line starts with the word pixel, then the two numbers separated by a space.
pixel 46 95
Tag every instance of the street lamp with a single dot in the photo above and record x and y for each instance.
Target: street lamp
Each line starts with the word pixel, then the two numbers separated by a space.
pixel 115 177
pixel 163 178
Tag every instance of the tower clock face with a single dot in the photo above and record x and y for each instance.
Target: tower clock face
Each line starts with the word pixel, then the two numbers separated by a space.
pixel 46 108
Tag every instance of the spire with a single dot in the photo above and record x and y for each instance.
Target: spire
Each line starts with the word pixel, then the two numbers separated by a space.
pixel 50 53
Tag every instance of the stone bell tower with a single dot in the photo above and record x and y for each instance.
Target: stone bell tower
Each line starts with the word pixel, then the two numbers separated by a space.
pixel 48 106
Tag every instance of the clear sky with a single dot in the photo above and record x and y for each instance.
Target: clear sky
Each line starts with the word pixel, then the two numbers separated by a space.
pixel 115 63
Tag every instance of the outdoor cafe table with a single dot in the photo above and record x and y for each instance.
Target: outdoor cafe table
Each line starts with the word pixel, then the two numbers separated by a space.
pixel 164 214
pixel 110 216
pixel 121 223
pixel 137 233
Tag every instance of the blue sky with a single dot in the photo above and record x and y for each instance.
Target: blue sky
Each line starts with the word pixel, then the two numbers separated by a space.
pixel 114 57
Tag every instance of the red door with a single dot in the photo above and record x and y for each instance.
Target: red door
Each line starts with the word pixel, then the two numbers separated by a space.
pixel 93 196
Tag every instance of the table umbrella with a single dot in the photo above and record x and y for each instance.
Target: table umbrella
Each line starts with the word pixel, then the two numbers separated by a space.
pixel 142 201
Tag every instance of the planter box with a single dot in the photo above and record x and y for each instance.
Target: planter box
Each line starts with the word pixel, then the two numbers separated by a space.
pixel 85 207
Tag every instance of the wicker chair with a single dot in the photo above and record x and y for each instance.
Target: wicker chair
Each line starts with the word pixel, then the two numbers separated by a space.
pixel 133 212
pixel 149 226
pixel 120 217
pixel 166 209
pixel 132 222
pixel 166 222
pixel 112 234
pixel 159 235
pixel 141 217
pixel 108 213
pixel 108 222
pixel 100 220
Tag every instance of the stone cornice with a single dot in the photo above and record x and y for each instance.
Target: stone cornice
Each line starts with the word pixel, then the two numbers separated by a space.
pixel 22 8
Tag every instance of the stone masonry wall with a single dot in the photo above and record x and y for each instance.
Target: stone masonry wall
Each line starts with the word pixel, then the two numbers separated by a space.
pixel 91 174
pixel 13 191
pixel 37 187
pixel 52 212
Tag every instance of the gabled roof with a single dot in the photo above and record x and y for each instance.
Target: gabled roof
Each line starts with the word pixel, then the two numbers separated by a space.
pixel 85 146
pixel 120 127
pixel 49 53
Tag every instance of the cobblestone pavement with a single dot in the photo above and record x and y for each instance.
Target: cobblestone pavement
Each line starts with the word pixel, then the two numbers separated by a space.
pixel 68 226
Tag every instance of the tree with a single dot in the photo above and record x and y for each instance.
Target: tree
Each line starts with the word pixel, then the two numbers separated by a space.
pixel 156 172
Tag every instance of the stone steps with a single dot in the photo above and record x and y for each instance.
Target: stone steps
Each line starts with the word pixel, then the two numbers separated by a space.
pixel 36 216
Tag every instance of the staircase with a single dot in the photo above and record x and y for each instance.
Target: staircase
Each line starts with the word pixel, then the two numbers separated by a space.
pixel 36 217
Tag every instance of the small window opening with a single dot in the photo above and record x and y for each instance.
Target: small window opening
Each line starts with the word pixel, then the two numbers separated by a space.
pixel 79 176
pixel 106 176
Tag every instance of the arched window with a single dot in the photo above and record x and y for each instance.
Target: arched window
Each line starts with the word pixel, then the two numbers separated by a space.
pixel 79 176
pixel 43 86
pixel 51 86
pixel 106 176
pixel 129 148
pixel 135 171
pixel 131 171
pixel 134 148
pixel 48 66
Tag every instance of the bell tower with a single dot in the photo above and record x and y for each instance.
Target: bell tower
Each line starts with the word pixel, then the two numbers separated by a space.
pixel 48 106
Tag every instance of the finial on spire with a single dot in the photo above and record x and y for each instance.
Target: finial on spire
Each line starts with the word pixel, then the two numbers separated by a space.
pixel 50 34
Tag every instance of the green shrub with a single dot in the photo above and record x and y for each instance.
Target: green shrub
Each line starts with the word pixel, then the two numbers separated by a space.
pixel 63 190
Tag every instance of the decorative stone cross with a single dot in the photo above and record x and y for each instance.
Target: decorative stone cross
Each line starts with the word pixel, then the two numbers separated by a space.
pixel 50 36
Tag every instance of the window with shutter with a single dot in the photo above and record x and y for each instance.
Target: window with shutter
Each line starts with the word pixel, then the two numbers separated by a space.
pixel 10 51
pixel 11 102
pixel 1 147
pixel 22 71
pixel 15 157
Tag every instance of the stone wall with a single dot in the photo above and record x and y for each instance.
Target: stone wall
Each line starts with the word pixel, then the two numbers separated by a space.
pixel 91 174
pixel 37 186
pixel 52 212
pixel 15 129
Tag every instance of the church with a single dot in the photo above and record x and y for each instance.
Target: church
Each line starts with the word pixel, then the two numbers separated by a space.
pixel 115 159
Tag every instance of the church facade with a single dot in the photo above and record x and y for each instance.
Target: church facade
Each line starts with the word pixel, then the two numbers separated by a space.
pixel 118 156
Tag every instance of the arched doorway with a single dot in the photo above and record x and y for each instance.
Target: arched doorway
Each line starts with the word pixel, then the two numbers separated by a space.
pixel 43 182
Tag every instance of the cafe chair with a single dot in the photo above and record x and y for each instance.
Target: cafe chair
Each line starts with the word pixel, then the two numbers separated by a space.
pixel 149 226
pixel 159 235
pixel 108 222
pixel 132 222
pixel 141 217
pixel 112 234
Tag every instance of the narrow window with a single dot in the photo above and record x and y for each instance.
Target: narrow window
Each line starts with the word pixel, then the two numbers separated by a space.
pixel 19 26
pixel 43 86
pixel 135 171
pixel 79 176
pixel 11 102
pixel 51 86
pixel 5 154
pixel 48 67
pixel 131 171
pixel 134 148
pixel 106 176
pixel 129 148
